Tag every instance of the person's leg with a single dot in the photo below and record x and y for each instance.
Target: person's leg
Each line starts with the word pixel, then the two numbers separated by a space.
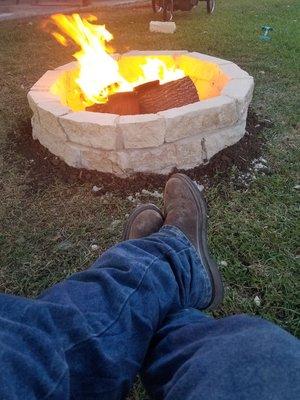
pixel 194 357
pixel 86 337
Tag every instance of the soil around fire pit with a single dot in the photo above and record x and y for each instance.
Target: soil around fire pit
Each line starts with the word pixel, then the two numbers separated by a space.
pixel 44 168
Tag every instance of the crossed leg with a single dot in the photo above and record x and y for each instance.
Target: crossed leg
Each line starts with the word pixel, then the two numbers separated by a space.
pixel 134 309
pixel 194 357
pixel 87 337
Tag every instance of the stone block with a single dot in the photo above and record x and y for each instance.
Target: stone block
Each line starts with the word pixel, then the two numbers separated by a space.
pixel 68 67
pixel 197 150
pixel 101 160
pixel 72 155
pixel 216 141
pixel 47 80
pixel 233 71
pixel 196 66
pixel 52 143
pixel 162 27
pixel 48 113
pixel 189 152
pixel 160 160
pixel 206 57
pixel 35 97
pixel 241 90
pixel 142 131
pixel 207 76
pixel 60 148
pixel 96 130
pixel 143 53
pixel 200 117
pixel 35 122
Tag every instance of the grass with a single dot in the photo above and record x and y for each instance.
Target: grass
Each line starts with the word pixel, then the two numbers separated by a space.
pixel 46 234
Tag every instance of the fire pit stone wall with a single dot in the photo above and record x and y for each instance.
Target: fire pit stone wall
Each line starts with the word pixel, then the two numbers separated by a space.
pixel 179 138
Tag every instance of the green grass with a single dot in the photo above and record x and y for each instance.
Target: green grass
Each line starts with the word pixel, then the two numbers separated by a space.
pixel 46 234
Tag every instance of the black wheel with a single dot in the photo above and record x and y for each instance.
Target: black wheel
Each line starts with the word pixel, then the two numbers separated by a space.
pixel 156 6
pixel 210 6
pixel 168 8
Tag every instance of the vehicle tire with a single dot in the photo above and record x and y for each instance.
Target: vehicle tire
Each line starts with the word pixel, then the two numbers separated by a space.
pixel 168 8
pixel 156 7
pixel 210 5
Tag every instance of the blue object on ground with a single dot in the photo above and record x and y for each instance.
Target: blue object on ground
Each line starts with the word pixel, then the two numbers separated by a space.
pixel 265 33
pixel 135 310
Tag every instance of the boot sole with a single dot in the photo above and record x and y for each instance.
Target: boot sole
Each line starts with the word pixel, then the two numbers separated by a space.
pixel 209 264
pixel 134 214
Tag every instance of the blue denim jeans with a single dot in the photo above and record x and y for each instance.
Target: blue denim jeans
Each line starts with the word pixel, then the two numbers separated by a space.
pixel 135 311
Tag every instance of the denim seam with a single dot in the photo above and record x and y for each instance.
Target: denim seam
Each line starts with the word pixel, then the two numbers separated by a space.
pixel 179 235
pixel 126 301
pixel 185 240
pixel 207 284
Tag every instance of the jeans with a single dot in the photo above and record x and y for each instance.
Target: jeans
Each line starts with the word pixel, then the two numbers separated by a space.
pixel 136 311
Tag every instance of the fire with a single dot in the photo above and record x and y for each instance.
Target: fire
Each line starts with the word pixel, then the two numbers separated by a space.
pixel 99 73
pixel 155 69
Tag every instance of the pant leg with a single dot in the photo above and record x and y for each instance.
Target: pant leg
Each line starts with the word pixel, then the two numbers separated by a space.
pixel 86 337
pixel 194 357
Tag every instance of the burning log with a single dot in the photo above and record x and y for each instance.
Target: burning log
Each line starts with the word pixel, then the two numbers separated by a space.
pixel 154 97
pixel 150 98
pixel 172 90
pixel 123 103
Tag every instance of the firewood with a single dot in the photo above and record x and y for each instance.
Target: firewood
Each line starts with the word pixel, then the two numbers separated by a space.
pixel 150 98
pixel 153 97
pixel 123 103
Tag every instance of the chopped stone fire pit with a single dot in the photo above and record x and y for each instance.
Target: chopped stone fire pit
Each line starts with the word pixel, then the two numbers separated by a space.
pixel 182 137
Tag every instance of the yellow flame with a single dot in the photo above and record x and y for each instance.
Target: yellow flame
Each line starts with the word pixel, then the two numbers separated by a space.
pixel 156 69
pixel 60 38
pixel 99 73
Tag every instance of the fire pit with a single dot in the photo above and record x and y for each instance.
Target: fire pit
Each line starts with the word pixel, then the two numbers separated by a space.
pixel 153 142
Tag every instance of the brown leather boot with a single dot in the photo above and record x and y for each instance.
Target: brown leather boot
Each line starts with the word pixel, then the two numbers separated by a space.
pixel 185 208
pixel 143 221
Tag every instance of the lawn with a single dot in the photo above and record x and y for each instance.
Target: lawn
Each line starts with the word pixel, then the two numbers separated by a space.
pixel 48 223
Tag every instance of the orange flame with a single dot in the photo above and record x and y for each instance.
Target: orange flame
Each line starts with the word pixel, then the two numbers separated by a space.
pixel 99 73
